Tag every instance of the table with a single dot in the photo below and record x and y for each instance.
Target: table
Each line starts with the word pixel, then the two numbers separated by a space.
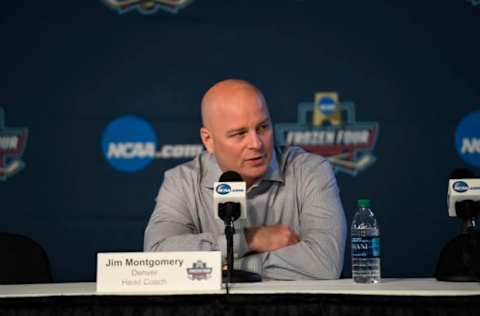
pixel 330 297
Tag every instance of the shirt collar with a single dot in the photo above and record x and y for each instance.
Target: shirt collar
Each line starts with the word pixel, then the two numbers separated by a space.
pixel 211 170
pixel 273 172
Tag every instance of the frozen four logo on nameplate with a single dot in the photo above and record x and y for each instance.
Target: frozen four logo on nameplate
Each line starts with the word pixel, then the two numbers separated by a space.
pixel 159 271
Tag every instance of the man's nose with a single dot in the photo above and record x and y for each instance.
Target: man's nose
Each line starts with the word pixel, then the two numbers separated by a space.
pixel 254 141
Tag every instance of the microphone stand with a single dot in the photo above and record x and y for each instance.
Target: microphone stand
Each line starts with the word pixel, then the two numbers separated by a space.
pixel 229 212
pixel 229 232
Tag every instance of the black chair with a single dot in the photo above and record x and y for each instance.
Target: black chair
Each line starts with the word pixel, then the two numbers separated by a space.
pixel 23 261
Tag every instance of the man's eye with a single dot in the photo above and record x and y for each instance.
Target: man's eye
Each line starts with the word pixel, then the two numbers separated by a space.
pixel 239 134
pixel 264 127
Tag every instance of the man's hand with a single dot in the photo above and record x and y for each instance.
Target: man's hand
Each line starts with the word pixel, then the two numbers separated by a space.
pixel 269 238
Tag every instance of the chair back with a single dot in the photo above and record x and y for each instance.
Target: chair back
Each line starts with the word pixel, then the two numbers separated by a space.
pixel 22 260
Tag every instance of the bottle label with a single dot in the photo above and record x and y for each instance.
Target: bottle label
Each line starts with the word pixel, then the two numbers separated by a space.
pixel 365 247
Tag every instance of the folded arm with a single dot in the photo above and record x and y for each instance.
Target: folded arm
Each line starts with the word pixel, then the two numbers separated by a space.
pixel 173 225
pixel 319 251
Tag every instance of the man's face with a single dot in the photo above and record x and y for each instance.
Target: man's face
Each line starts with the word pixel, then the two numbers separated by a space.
pixel 241 137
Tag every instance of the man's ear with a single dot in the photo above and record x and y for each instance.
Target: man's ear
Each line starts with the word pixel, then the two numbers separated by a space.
pixel 207 139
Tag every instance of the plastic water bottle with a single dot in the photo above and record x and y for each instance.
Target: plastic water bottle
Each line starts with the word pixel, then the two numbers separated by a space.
pixel 365 245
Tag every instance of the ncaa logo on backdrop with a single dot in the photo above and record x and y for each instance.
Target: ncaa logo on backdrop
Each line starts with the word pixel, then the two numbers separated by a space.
pixel 467 139
pixel 12 146
pixel 146 6
pixel 328 127
pixel 129 144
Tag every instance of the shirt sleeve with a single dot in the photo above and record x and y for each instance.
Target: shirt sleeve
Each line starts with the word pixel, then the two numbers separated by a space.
pixel 174 227
pixel 320 253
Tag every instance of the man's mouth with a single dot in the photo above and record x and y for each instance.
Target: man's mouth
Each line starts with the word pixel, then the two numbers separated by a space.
pixel 255 160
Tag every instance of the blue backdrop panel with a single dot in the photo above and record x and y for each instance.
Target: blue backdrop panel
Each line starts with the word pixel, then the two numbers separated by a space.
pixel 69 70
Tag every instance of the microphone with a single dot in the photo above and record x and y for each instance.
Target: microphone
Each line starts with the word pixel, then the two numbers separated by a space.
pixel 230 176
pixel 462 173
pixel 230 203
pixel 463 196
pixel 459 260
pixel 229 197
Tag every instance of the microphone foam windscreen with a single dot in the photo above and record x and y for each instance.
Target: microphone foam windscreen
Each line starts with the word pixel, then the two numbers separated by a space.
pixel 462 173
pixel 230 176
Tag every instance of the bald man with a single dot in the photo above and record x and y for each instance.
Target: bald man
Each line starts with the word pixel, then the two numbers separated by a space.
pixel 295 227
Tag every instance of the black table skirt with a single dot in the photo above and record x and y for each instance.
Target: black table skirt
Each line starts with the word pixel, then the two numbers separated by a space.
pixel 268 304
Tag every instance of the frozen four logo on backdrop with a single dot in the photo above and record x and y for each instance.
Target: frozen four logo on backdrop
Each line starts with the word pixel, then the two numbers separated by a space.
pixel 147 6
pixel 328 127
pixel 130 144
pixel 467 139
pixel 12 146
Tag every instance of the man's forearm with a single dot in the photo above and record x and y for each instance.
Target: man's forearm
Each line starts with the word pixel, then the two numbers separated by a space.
pixel 306 260
pixel 176 237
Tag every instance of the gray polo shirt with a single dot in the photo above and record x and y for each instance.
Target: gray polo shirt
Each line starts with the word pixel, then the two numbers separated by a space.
pixel 299 189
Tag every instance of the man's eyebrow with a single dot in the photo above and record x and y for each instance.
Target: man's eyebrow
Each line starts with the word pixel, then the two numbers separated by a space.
pixel 242 129
pixel 236 130
pixel 267 120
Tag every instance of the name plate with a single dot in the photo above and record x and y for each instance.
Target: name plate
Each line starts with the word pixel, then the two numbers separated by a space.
pixel 159 272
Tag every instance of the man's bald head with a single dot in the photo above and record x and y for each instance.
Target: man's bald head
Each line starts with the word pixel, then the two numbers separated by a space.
pixel 237 129
pixel 227 93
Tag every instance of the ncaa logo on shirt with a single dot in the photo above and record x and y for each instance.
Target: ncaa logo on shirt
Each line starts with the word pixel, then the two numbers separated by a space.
pixel 467 139
pixel 224 189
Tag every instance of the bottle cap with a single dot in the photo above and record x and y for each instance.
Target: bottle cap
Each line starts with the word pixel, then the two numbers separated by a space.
pixel 364 203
